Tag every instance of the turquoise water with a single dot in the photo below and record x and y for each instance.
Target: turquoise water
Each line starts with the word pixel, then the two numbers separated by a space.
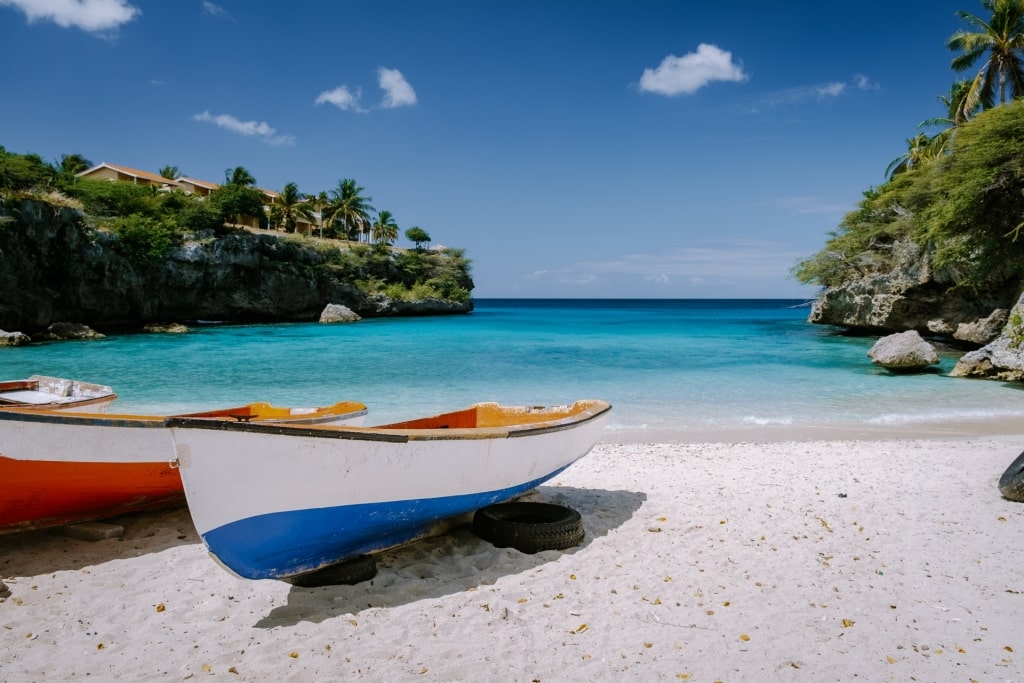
pixel 673 369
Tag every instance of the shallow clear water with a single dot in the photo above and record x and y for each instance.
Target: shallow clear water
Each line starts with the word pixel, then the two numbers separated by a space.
pixel 679 369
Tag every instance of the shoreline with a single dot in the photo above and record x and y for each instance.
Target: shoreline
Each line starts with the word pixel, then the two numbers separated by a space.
pixel 989 428
pixel 775 560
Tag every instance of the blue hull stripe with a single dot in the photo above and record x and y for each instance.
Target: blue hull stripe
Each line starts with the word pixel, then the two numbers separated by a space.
pixel 283 544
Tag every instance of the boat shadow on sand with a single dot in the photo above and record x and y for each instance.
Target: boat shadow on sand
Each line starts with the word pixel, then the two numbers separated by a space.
pixel 44 551
pixel 453 563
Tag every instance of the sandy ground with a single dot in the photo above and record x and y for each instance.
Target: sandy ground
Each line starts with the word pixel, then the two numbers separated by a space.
pixel 787 561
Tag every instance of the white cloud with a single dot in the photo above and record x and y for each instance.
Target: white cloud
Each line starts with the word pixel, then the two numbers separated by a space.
pixel 688 74
pixel 342 98
pixel 259 129
pixel 831 89
pixel 864 83
pixel 215 10
pixel 94 16
pixel 397 91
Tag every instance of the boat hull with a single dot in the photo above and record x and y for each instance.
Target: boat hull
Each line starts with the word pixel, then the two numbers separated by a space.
pixel 58 468
pixel 273 504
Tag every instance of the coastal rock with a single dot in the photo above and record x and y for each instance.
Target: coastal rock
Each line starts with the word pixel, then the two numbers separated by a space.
pixel 55 266
pixel 14 339
pixel 1003 358
pixel 911 294
pixel 165 328
pixel 336 313
pixel 982 330
pixel 384 305
pixel 64 331
pixel 1011 484
pixel 903 352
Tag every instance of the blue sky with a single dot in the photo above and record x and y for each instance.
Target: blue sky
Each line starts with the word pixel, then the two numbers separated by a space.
pixel 652 149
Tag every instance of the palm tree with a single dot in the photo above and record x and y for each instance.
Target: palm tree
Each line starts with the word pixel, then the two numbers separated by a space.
pixel 289 206
pixel 385 229
pixel 348 210
pixel 70 164
pixel 956 116
pixel 170 172
pixel 1003 38
pixel 238 176
pixel 317 204
pixel 918 152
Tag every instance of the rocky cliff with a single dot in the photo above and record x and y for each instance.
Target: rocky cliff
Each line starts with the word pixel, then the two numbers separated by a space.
pixel 914 295
pixel 54 267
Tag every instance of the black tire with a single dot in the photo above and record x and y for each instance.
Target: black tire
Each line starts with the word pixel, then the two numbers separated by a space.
pixel 350 572
pixel 529 527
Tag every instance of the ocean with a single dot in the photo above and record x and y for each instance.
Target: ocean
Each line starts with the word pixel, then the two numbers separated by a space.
pixel 674 370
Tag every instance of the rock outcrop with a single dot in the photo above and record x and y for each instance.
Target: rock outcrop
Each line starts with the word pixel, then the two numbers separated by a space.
pixel 64 331
pixel 904 352
pixel 914 295
pixel 54 267
pixel 1003 358
pixel 14 339
pixel 165 328
pixel 336 313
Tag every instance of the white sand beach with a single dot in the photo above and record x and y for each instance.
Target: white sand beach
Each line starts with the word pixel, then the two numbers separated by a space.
pixel 785 561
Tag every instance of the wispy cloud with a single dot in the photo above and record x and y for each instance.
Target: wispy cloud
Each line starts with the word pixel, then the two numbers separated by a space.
pixel 687 74
pixel 397 91
pixel 864 83
pixel 215 10
pixel 809 206
pixel 706 264
pixel 93 16
pixel 821 92
pixel 342 98
pixel 258 129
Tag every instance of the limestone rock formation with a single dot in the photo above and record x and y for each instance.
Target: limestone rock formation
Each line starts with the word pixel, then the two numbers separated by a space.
pixel 165 328
pixel 336 313
pixel 1003 358
pixel 904 352
pixel 64 331
pixel 914 295
pixel 54 266
pixel 14 339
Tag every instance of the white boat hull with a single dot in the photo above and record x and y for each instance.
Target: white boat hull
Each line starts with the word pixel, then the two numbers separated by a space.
pixel 278 503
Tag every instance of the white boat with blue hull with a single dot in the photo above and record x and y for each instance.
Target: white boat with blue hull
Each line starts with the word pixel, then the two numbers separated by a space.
pixel 277 501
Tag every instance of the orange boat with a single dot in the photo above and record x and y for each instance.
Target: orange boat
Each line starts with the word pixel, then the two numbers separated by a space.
pixel 59 467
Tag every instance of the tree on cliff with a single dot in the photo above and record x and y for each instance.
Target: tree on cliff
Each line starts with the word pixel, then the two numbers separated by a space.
pixel 288 207
pixel 967 211
pixel 417 236
pixel 239 176
pixel 348 211
pixel 1002 36
pixel 23 171
pixel 385 229
pixel 236 201
pixel 70 164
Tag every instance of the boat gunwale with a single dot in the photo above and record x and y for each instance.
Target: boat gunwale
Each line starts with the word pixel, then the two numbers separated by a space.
pixel 56 416
pixel 397 435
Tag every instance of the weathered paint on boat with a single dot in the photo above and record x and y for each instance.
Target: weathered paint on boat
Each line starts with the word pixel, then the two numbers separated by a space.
pixel 40 392
pixel 276 501
pixel 58 467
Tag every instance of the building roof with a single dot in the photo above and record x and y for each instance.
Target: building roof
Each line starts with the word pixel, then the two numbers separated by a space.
pixel 133 172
